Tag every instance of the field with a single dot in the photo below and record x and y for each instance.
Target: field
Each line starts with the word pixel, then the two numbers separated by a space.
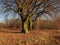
pixel 35 37
pixel 40 17
pixel 44 33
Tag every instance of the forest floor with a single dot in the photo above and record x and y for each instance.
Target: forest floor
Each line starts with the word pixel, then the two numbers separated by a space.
pixel 35 37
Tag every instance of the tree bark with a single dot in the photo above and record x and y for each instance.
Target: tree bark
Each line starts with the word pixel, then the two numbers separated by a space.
pixel 30 24
pixel 25 26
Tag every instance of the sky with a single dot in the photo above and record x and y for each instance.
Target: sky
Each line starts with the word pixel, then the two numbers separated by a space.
pixel 2 14
pixel 1 18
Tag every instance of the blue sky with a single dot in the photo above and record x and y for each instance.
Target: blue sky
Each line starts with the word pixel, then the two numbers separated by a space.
pixel 1 17
pixel 2 14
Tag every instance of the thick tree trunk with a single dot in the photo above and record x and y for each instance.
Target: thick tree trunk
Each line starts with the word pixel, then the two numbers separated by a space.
pixel 25 27
pixel 30 25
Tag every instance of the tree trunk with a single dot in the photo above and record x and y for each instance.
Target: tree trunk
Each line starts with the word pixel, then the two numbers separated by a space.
pixel 25 27
pixel 30 24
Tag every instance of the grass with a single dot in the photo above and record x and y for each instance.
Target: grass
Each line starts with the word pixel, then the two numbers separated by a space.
pixel 33 38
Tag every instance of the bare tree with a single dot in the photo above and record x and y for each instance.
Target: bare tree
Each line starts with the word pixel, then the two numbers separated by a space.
pixel 26 9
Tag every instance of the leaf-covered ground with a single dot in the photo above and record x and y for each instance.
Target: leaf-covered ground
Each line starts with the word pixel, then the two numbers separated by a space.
pixel 37 37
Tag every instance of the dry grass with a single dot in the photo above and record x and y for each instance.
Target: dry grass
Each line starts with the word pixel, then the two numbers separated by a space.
pixel 37 37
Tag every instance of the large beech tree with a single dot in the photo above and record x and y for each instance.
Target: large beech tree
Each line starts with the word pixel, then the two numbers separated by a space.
pixel 27 9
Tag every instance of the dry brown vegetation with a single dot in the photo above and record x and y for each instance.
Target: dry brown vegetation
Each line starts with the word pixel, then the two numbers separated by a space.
pixel 36 36
pixel 46 24
pixel 44 32
pixel 38 24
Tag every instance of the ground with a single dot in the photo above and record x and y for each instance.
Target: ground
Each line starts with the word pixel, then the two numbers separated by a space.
pixel 35 37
